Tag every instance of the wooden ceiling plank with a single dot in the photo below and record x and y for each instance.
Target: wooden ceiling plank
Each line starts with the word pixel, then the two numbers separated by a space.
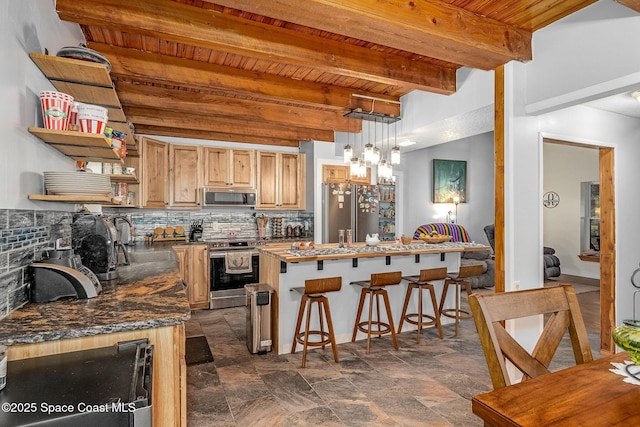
pixel 432 29
pixel 212 30
pixel 209 123
pixel 133 64
pixel 136 95
pixel 631 4
pixel 215 136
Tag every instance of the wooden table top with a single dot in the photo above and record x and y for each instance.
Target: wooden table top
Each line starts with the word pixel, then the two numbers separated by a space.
pixel 582 395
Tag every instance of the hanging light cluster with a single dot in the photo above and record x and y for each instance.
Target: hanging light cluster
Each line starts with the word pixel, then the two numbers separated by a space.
pixel 371 154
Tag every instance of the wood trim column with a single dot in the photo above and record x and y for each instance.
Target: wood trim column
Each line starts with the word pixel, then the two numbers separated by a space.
pixel 498 158
pixel 607 250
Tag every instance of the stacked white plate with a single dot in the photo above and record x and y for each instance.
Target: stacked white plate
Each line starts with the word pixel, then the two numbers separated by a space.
pixel 77 184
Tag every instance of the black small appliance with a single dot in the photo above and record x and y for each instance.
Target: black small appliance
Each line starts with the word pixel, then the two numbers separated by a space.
pixel 94 238
pixel 195 231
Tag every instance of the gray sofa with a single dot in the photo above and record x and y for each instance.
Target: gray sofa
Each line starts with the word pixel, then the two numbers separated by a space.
pixel 459 234
pixel 551 267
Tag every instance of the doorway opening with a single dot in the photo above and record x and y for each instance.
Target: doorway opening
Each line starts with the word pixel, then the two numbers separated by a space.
pixel 567 167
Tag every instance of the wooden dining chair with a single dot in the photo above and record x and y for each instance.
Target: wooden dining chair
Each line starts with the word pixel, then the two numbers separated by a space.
pixel 561 311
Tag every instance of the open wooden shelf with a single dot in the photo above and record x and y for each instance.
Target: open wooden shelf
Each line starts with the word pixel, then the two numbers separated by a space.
pixel 104 200
pixel 130 179
pixel 589 258
pixel 81 146
pixel 88 82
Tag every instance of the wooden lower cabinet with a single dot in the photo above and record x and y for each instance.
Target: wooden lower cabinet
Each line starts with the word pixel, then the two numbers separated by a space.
pixel 169 367
pixel 193 261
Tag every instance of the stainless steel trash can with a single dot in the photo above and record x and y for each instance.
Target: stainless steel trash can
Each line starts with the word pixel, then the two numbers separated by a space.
pixel 258 309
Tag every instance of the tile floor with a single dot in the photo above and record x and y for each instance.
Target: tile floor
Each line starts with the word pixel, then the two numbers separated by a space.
pixel 426 384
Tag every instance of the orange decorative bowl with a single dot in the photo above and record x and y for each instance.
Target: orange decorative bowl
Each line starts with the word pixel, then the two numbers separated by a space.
pixel 442 239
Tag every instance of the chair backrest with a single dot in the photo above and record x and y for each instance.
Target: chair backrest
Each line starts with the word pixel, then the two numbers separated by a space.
pixel 561 311
pixel 457 232
pixel 490 231
pixel 470 270
pixel 384 279
pixel 429 274
pixel 320 286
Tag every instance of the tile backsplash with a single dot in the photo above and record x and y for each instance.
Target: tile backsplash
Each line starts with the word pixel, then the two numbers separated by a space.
pixel 23 235
pixel 217 224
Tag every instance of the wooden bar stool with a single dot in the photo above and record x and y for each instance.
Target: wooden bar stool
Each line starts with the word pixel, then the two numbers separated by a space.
pixel 375 287
pixel 314 292
pixel 458 280
pixel 422 282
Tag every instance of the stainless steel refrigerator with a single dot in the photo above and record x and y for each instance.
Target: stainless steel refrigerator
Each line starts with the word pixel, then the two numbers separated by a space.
pixel 349 206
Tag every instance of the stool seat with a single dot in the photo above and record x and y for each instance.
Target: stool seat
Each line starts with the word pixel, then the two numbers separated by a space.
pixel 375 287
pixel 459 279
pixel 423 282
pixel 314 293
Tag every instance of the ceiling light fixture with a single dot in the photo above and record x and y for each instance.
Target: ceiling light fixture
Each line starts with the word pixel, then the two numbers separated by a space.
pixel 636 95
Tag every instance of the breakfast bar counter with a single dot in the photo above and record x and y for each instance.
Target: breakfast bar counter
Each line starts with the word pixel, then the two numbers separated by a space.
pixel 284 268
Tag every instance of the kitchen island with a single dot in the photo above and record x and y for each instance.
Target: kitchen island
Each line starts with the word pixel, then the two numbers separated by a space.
pixel 284 269
pixel 147 301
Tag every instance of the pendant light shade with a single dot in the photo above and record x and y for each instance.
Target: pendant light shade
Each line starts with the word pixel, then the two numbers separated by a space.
pixel 384 170
pixel 354 165
pixel 375 157
pixel 368 153
pixel 395 155
pixel 348 153
pixel 362 169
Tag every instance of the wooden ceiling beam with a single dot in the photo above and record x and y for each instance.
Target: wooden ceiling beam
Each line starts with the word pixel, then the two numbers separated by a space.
pixel 253 111
pixel 134 64
pixel 213 136
pixel 433 29
pixel 205 28
pixel 156 117
pixel 631 4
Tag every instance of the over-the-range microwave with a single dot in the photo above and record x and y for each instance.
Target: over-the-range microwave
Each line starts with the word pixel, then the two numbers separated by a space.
pixel 213 197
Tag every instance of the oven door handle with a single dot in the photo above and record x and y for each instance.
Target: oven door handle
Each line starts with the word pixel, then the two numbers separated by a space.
pixel 222 254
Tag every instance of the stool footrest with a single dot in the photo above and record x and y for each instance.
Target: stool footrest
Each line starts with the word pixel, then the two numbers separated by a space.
pixel 453 313
pixel 325 339
pixel 384 328
pixel 409 318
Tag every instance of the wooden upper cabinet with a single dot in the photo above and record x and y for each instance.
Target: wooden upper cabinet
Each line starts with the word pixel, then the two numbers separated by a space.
pixel 184 175
pixel 281 181
pixel 155 171
pixel 341 173
pixel 226 168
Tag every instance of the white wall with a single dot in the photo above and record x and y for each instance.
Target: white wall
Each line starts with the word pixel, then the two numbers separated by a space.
pixel 474 215
pixel 587 125
pixel 565 167
pixel 27 26
pixel 589 54
pixel 585 55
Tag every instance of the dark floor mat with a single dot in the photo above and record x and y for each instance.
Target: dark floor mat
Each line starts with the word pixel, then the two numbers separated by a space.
pixel 197 351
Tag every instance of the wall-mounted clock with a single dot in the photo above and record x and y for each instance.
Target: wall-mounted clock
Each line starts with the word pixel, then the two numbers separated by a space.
pixel 550 199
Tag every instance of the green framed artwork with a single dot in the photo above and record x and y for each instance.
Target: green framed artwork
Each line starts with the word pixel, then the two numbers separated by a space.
pixel 449 180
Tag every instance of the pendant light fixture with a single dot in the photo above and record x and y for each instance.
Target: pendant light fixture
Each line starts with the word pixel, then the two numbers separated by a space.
pixel 348 150
pixel 358 157
pixel 367 151
pixel 395 151
pixel 348 153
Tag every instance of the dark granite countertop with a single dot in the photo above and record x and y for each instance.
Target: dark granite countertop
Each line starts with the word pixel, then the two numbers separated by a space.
pixel 148 294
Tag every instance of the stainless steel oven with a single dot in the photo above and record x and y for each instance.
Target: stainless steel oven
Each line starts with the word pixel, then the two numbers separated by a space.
pixel 227 288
